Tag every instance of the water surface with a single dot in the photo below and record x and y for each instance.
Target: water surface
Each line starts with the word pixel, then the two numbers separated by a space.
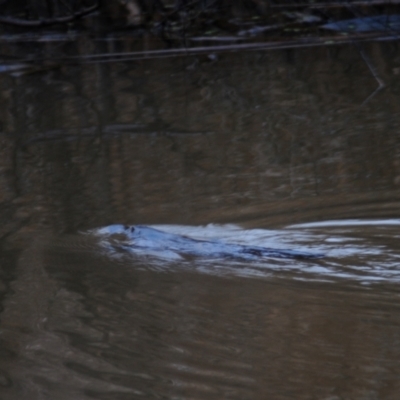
pixel 288 149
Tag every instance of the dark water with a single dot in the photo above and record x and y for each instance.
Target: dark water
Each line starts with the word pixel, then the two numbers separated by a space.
pixel 282 149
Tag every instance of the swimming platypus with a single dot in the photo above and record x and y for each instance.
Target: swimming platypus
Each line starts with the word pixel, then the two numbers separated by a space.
pixel 139 238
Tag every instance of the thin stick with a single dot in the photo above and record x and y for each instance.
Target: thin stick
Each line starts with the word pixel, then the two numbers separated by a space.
pixel 375 74
pixel 135 55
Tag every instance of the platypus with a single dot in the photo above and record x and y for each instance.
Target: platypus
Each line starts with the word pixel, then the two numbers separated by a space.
pixel 141 238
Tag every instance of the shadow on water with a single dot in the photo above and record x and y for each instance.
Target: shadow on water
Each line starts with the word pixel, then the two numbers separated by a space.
pixel 273 149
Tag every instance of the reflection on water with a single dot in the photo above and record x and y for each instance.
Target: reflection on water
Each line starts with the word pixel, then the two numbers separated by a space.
pixel 265 147
pixel 275 138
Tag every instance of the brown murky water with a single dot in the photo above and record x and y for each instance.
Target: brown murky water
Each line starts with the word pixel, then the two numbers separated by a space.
pixel 282 149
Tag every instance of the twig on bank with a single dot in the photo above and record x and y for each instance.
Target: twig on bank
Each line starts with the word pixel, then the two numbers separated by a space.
pixel 50 21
